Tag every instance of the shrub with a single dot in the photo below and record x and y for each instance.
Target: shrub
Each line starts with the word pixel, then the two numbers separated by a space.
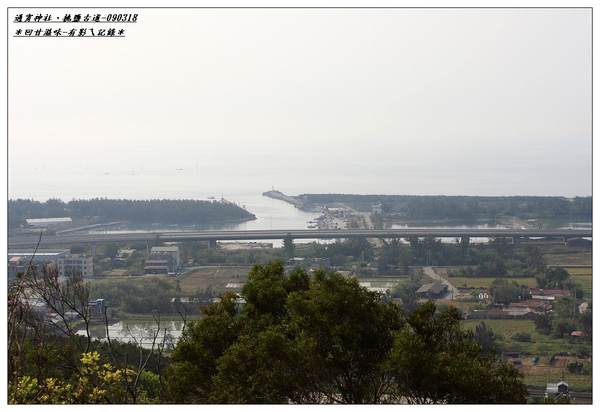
pixel 575 367
pixel 522 337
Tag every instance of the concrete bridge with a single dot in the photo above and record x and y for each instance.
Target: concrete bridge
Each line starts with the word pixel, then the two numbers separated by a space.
pixel 242 235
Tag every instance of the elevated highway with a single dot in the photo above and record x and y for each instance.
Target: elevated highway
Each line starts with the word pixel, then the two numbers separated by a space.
pixel 243 235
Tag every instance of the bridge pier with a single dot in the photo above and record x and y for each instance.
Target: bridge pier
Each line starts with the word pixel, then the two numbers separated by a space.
pixel 212 244
pixel 516 240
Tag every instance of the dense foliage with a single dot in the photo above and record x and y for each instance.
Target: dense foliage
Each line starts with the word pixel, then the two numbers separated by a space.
pixel 463 207
pixel 164 211
pixel 53 370
pixel 325 339
pixel 50 362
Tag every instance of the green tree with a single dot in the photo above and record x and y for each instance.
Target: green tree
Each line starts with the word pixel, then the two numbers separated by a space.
pixel 434 361
pixel 563 327
pixel 288 245
pixel 326 339
pixel 343 334
pixel 486 338
pixel 110 250
pixel 534 260
pixel 502 247
pixel 555 278
pixel 505 291
pixel 202 343
pixel 522 337
pixel 543 324
pixel 392 250
pixel 464 245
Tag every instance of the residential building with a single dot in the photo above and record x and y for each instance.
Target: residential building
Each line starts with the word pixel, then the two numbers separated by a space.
pixel 163 260
pixel 157 266
pixel 83 265
pixel 536 305
pixel 557 293
pixel 97 308
pixel 320 264
pixel 164 251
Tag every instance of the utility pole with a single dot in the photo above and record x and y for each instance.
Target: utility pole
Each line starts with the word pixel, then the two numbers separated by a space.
pixel 574 301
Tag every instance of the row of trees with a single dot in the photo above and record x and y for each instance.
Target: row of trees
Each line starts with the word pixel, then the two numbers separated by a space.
pixel 166 211
pixel 464 207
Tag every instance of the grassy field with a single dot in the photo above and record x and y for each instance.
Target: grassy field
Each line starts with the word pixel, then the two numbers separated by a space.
pixel 505 327
pixel 115 272
pixel 543 346
pixel 586 283
pixel 569 257
pixel 484 283
pixel 217 278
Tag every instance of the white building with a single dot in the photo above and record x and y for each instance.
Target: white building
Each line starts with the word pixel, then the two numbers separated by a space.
pixel 172 251
pixel 76 264
pixel 53 221
pixel 41 255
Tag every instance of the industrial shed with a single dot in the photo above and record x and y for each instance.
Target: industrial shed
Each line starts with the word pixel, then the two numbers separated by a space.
pixel 432 290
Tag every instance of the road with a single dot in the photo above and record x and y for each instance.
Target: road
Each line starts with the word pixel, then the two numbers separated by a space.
pixel 368 223
pixel 452 290
pixel 70 239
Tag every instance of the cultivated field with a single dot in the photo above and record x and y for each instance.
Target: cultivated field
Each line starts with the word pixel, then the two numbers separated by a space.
pixel 217 278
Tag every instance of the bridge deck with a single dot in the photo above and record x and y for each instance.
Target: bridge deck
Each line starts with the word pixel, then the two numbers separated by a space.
pixel 53 240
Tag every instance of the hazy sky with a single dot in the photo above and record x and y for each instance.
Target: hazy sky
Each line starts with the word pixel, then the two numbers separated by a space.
pixel 504 94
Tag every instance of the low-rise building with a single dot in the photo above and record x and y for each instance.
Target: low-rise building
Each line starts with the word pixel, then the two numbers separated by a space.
pixel 432 290
pixel 83 265
pixel 505 313
pixel 557 293
pixel 97 308
pixel 549 294
pixel 159 266
pixel 320 264
pixel 17 264
pixel 163 260
pixel 48 222
pixel 40 256
pixel 557 390
pixel 172 251
pixel 536 305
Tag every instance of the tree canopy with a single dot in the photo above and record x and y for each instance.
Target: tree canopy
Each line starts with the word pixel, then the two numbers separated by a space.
pixel 163 210
pixel 325 339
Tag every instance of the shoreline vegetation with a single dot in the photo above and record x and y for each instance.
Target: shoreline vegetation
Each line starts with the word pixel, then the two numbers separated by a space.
pixel 106 210
pixel 448 207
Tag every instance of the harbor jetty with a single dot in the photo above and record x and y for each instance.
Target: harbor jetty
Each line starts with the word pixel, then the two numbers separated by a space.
pixel 276 194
